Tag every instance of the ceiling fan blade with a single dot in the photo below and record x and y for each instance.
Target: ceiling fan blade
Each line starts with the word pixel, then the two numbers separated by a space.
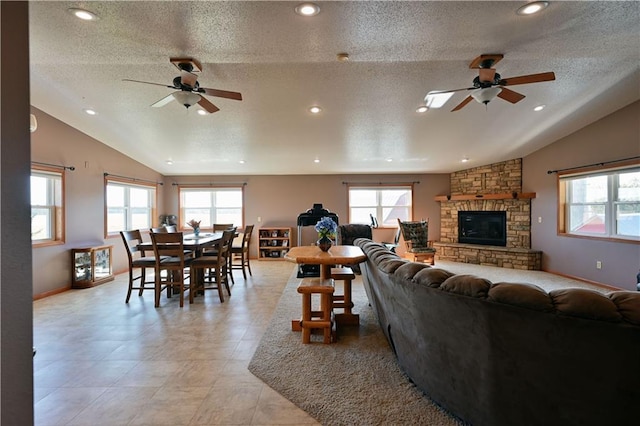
pixel 510 95
pixel 462 104
pixel 148 82
pixel 221 93
pixel 450 91
pixel 525 79
pixel 162 102
pixel 188 78
pixel 208 106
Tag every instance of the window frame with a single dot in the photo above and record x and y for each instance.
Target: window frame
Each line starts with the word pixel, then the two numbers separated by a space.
pixel 610 205
pixel 129 184
pixel 379 188
pixel 58 210
pixel 182 219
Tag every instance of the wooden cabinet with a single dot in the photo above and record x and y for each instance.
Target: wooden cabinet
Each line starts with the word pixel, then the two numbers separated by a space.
pixel 274 243
pixel 91 266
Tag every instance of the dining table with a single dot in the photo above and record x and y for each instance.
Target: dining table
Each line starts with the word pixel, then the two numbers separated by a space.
pixel 193 242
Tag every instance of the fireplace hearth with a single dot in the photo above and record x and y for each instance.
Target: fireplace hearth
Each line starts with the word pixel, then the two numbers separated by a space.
pixel 482 227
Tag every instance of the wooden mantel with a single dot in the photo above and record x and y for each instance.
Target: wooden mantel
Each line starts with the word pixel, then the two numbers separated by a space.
pixel 505 196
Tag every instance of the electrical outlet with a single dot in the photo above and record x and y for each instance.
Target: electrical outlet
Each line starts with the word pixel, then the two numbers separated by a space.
pixel 539 219
pixel 598 264
pixel 259 219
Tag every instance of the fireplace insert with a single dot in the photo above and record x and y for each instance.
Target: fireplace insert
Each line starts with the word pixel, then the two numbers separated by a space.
pixel 482 227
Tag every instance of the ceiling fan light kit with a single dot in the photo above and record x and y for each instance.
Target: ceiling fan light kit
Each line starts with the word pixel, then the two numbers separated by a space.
pixel 484 96
pixel 187 98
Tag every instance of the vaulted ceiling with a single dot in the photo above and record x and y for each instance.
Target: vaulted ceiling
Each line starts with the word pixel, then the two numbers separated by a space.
pixel 284 63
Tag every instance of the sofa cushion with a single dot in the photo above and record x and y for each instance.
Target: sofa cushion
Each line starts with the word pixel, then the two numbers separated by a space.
pixel 628 303
pixel 408 270
pixel 431 277
pixel 467 285
pixel 527 296
pixel 578 302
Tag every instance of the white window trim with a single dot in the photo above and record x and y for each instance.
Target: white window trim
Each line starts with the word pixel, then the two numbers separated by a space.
pixel 129 184
pixel 379 207
pixel 609 205
pixel 57 210
pixel 182 219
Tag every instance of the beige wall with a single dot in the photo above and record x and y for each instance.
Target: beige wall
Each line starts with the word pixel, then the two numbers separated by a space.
pixel 614 137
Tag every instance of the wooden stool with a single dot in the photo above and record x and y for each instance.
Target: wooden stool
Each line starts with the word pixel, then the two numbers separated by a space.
pixel 322 319
pixel 344 300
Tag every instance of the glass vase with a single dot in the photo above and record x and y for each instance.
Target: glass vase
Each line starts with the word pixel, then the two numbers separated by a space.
pixel 324 243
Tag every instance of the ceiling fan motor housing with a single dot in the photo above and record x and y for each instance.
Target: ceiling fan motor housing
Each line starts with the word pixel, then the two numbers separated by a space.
pixel 484 84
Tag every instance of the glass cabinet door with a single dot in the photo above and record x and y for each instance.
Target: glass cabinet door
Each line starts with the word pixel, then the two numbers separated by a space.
pixel 82 265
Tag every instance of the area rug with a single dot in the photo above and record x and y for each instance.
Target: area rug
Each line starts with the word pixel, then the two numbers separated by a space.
pixel 355 381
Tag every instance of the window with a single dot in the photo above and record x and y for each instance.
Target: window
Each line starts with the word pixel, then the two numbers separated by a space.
pixel 129 206
pixel 47 210
pixel 602 204
pixel 212 205
pixel 385 203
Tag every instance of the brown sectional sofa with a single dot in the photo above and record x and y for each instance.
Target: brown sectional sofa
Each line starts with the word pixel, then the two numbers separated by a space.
pixel 508 353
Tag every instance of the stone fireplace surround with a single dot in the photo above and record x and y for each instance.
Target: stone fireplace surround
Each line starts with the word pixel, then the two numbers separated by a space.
pixel 496 187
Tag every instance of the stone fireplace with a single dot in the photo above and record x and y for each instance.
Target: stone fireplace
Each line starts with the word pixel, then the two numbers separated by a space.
pixel 496 187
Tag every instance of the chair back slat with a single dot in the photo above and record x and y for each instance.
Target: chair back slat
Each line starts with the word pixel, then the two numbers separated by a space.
pixel 131 240
pixel 168 244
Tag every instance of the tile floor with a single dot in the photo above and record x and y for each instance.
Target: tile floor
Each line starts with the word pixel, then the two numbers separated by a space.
pixel 103 362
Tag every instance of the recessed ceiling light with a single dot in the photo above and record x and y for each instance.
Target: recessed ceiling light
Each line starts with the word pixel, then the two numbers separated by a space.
pixel 533 7
pixel 169 162
pixel 389 160
pixel 539 108
pixel 464 160
pixel 422 108
pixel 241 161
pixel 83 14
pixel 90 111
pixel 315 109
pixel 202 112
pixel 317 160
pixel 307 9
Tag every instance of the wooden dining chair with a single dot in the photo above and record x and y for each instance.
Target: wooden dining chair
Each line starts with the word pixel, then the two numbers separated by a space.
pixel 239 256
pixel 219 227
pixel 165 229
pixel 210 272
pixel 137 260
pixel 168 247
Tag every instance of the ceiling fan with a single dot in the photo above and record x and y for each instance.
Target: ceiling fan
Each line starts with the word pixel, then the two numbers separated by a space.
pixel 188 91
pixel 489 84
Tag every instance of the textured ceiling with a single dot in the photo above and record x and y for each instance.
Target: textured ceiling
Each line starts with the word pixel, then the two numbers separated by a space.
pixel 283 63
